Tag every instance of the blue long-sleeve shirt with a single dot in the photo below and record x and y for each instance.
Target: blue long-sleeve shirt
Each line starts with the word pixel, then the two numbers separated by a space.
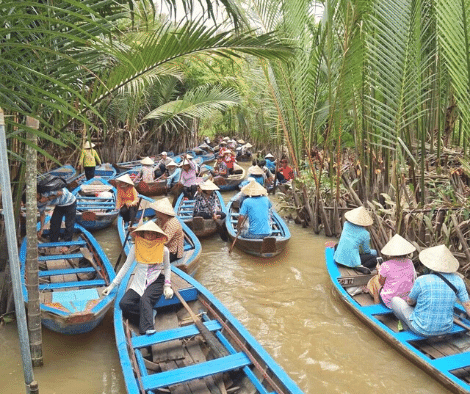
pixel 354 240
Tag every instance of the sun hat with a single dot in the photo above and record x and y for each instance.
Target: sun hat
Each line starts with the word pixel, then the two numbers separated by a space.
pixel 125 179
pixel 147 161
pixel 226 139
pixel 397 246
pixel 189 156
pixel 256 170
pixel 254 189
pixel 439 258
pixel 223 143
pixel 163 153
pixel 185 162
pixel 248 145
pixel 150 226
pixel 241 141
pixel 208 185
pixel 359 216
pixel 204 146
pixel 87 145
pixel 268 156
pixel 163 206
pixel 171 163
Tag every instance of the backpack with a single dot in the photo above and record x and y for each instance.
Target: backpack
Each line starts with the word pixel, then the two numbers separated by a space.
pixel 50 183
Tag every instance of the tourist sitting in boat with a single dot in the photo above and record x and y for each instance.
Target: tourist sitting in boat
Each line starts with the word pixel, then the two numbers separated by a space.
pixel 429 308
pixel 267 172
pixel 220 168
pixel 152 276
pixel 166 219
pixel 127 198
pixel 146 172
pixel 88 160
pixel 256 208
pixel 245 150
pixel 65 206
pixel 270 162
pixel 174 173
pixel 395 277
pixel 353 249
pixel 188 178
pixel 206 204
pixel 222 148
pixel 229 160
pixel 258 174
pixel 285 172
pixel 162 164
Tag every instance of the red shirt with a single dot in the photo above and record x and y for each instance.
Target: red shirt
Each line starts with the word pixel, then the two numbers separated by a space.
pixel 229 160
pixel 287 172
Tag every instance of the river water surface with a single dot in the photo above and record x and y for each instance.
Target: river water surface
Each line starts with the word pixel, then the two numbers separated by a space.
pixel 287 303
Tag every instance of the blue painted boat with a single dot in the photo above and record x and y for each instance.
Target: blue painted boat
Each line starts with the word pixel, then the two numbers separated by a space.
pixel 202 155
pixel 266 247
pixel 66 172
pixel 192 247
pixel 201 227
pixel 95 212
pixel 177 359
pixel 231 182
pixel 105 171
pixel 445 358
pixel 70 284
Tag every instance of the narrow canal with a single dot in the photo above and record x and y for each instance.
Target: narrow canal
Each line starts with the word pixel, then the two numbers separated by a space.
pixel 286 303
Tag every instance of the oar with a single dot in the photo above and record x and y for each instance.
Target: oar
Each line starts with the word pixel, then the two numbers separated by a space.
pixel 238 234
pixel 461 323
pixel 116 266
pixel 214 344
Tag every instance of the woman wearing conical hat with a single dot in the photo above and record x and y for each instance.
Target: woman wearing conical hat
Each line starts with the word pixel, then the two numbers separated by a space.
pixel 396 276
pixel 353 249
pixel 88 160
pixel 127 198
pixel 429 308
pixel 147 171
pixel 206 204
pixel 152 276
pixel 188 178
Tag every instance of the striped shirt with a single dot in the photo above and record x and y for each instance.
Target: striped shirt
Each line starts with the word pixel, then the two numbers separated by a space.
pixel 210 204
pixel 62 199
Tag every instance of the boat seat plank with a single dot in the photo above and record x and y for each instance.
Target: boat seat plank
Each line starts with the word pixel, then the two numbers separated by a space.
pixel 455 361
pixel 376 309
pixel 43 274
pixel 172 334
pixel 68 285
pixel 223 364
pixel 64 243
pixel 200 386
pixel 60 257
pixel 167 350
pixel 54 265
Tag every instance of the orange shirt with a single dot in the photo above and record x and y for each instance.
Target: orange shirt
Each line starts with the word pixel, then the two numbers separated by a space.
pixel 126 197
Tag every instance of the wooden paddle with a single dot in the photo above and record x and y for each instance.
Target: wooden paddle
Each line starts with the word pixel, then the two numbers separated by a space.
pixel 214 344
pixel 117 266
pixel 238 234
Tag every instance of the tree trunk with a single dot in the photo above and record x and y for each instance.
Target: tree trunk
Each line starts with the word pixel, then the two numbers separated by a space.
pixel 34 310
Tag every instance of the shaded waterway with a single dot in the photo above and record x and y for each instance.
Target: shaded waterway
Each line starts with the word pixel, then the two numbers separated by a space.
pixel 287 303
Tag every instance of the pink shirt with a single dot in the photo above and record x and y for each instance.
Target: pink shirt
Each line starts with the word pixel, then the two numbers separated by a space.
pixel 399 277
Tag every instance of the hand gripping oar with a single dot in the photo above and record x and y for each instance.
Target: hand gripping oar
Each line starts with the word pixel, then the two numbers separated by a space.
pixel 116 266
pixel 238 234
pixel 214 344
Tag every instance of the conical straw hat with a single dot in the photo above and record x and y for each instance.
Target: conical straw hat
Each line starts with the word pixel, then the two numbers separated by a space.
pixel 439 258
pixel 256 171
pixel 184 163
pixel 241 141
pixel 398 246
pixel 147 161
pixel 254 189
pixel 226 139
pixel 125 179
pixel 150 226
pixel 248 145
pixel 208 185
pixel 268 156
pixel 163 153
pixel 171 163
pixel 223 143
pixel 359 216
pixel 163 206
pixel 87 145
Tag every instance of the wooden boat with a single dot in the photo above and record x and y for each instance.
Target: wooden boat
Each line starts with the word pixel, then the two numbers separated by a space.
pixel 266 247
pixel 105 171
pixel 232 181
pixel 70 284
pixel 245 158
pixel 446 358
pixel 95 212
pixel 66 172
pixel 213 353
pixel 203 155
pixel 201 227
pixel 192 247
pixel 156 188
pixel 126 166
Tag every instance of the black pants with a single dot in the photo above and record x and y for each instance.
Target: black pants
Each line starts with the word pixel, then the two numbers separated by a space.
pixel 190 191
pixel 69 212
pixel 128 213
pixel 368 260
pixel 207 215
pixel 173 257
pixel 160 170
pixel 139 310
pixel 89 172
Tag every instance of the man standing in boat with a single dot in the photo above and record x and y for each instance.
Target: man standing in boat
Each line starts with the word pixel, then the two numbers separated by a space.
pixel 88 160
pixel 256 208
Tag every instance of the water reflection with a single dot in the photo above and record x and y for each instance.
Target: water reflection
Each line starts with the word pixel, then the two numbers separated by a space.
pixel 286 303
